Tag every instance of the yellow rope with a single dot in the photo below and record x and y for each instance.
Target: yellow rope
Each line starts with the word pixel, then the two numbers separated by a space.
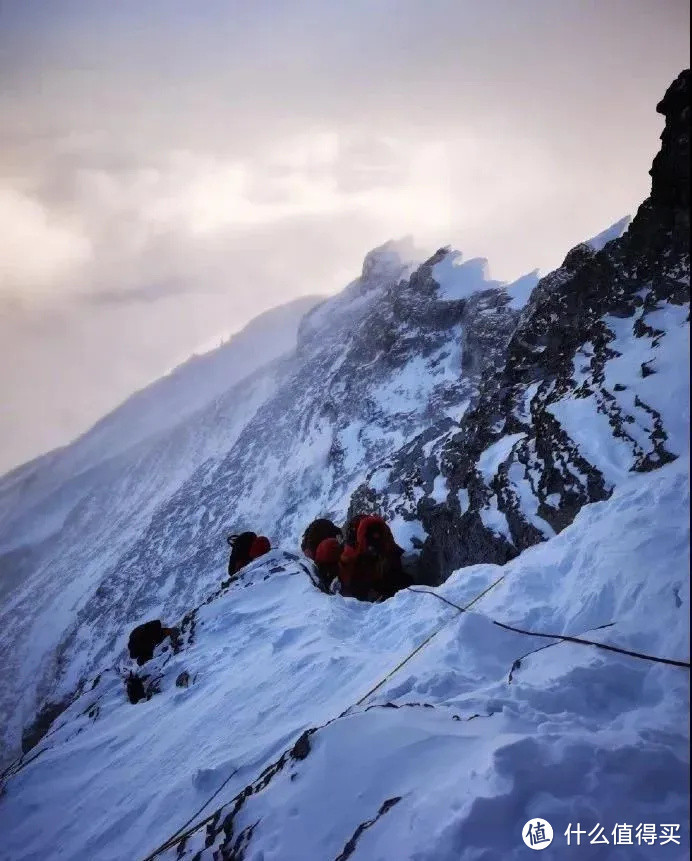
pixel 425 641
pixel 182 834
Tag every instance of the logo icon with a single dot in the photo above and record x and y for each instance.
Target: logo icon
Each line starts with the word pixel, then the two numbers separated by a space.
pixel 537 833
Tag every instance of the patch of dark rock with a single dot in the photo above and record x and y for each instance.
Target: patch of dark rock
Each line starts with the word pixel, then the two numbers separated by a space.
pixel 646 370
pixel 40 725
pixel 302 747
pixel 351 844
pixel 183 680
pixel 237 851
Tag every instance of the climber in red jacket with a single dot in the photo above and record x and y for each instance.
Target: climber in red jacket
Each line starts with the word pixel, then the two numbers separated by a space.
pixel 327 557
pixel 370 563
pixel 245 548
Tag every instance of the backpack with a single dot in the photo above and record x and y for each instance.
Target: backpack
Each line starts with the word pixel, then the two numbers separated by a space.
pixel 241 546
pixel 144 639
pixel 317 532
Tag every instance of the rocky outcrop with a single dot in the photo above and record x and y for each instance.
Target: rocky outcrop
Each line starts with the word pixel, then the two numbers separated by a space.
pixel 526 459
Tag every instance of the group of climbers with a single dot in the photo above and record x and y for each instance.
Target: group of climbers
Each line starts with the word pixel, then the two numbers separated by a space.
pixel 361 561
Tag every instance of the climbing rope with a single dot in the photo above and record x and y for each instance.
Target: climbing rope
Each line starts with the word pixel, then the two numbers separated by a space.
pixel 517 663
pixel 427 639
pixel 182 833
pixel 564 637
pixel 179 833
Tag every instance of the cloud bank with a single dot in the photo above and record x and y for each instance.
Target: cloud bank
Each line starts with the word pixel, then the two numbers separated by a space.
pixel 169 170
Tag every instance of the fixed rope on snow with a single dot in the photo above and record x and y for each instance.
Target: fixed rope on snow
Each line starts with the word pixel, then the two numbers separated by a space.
pixel 181 834
pixel 565 637
pixel 427 639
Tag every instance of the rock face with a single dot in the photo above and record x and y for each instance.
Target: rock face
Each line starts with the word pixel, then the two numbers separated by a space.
pixel 575 404
pixel 477 422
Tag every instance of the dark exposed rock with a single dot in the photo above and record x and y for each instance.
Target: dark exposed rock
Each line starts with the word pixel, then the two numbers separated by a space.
pixel 350 846
pixel 302 747
pixel 42 723
pixel 557 350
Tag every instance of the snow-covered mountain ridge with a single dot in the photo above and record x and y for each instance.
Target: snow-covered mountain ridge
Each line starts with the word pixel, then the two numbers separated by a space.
pixel 593 384
pixel 481 418
pixel 446 760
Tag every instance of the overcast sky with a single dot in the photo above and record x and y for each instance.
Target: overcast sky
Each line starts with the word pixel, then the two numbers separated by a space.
pixel 170 169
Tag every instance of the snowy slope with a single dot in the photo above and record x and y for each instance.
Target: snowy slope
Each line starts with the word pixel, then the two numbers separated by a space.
pixel 160 407
pixel 576 735
pixel 143 531
pixel 66 519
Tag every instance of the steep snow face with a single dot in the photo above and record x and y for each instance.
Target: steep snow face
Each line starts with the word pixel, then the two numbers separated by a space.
pixel 66 519
pixel 88 533
pixel 266 697
pixel 373 368
pixel 615 231
pixel 162 406
pixel 593 385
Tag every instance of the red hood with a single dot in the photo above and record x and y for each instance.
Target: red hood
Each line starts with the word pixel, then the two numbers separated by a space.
pixel 368 522
pixel 259 547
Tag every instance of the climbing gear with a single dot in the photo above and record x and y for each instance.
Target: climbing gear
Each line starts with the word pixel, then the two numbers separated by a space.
pixel 318 531
pixel 564 637
pixel 181 834
pixel 259 547
pixel 517 663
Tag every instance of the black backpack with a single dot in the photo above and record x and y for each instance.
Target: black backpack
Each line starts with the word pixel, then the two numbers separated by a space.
pixel 240 551
pixel 144 639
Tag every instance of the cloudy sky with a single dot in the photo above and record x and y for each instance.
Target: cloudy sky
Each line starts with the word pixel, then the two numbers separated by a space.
pixel 171 168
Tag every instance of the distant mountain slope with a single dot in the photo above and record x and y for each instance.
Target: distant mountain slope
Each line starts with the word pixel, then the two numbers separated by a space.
pixel 67 517
pixel 161 406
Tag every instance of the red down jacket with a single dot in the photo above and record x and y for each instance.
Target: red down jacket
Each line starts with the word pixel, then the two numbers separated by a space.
pixel 371 568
